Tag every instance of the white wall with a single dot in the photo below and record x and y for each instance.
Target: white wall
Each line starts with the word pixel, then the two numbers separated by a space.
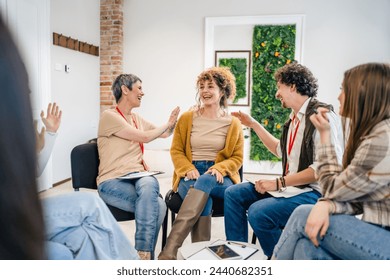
pixel 76 92
pixel 29 22
pixel 342 34
pixel 164 43
pixel 164 46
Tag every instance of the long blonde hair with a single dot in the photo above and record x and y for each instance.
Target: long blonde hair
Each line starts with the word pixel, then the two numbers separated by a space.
pixel 367 102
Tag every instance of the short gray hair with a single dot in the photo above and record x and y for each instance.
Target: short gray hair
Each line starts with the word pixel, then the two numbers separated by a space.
pixel 123 80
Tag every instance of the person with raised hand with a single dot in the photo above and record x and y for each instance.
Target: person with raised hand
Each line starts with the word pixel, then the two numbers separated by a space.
pixel 48 134
pixel 76 225
pixel 297 90
pixel 121 137
pixel 331 228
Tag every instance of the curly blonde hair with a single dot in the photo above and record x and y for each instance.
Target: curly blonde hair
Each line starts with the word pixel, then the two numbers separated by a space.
pixel 224 79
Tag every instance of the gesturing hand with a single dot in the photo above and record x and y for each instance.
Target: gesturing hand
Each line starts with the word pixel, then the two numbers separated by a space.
pixel 321 122
pixel 245 119
pixel 53 119
pixel 173 118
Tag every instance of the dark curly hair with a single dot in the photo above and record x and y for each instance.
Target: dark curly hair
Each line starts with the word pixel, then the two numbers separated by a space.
pixel 300 76
pixel 224 79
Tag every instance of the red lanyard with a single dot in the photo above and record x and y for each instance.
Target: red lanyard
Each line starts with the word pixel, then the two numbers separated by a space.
pixel 292 137
pixel 291 141
pixel 136 126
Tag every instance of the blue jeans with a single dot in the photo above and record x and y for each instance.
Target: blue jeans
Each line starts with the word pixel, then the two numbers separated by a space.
pixel 267 215
pixel 80 226
pixel 347 238
pixel 140 196
pixel 206 183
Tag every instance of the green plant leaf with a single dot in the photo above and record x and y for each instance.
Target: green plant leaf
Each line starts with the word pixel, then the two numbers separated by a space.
pixel 265 107
pixel 238 66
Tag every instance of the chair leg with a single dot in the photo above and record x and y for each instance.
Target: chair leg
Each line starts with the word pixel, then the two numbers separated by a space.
pixel 165 231
pixel 173 217
pixel 254 238
pixel 165 228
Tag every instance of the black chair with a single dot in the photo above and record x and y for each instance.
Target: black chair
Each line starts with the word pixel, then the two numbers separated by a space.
pixel 84 160
pixel 174 201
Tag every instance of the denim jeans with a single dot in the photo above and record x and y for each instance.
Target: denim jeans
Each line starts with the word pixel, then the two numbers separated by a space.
pixel 347 238
pixel 140 196
pixel 206 183
pixel 80 226
pixel 267 215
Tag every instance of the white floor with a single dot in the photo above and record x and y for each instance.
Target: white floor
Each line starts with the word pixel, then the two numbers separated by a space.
pixel 217 226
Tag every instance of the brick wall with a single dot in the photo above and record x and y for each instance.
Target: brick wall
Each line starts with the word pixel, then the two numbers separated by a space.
pixel 111 48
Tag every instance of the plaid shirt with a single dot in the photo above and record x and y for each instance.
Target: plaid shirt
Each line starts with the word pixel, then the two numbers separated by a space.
pixel 364 186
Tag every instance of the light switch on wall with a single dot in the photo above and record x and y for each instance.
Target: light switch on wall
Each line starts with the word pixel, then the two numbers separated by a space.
pixel 67 68
pixel 58 67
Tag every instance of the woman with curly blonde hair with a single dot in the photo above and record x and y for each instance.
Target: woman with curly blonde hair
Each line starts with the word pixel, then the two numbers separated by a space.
pixel 207 153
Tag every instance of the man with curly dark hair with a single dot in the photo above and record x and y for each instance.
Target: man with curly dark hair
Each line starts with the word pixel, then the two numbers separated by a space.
pixel 267 204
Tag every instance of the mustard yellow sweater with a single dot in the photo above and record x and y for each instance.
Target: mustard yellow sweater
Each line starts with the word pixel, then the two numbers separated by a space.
pixel 228 161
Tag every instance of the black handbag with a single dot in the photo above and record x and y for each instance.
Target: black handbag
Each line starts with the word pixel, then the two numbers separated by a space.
pixel 173 201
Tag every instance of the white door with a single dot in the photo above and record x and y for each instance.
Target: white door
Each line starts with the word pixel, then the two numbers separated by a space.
pixel 29 22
